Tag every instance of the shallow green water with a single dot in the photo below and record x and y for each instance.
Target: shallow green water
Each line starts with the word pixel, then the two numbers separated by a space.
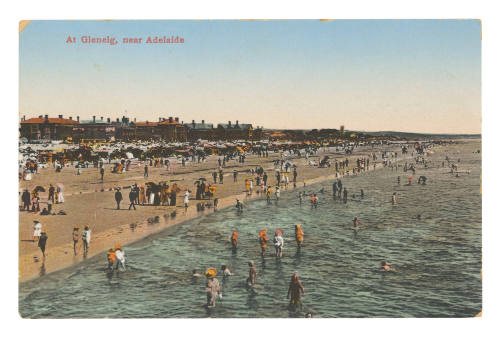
pixel 438 257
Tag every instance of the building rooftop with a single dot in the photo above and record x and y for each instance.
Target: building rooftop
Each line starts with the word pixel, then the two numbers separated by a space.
pixel 91 121
pixel 199 126
pixel 234 126
pixel 50 120
pixel 147 123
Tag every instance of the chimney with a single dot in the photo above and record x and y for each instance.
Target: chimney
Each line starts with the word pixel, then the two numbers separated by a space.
pixel 177 119
pixel 229 123
pixel 24 118
pixel 102 118
pixel 40 116
pixel 193 123
pixel 236 122
pixel 60 116
pixel 109 120
pixel 93 119
pixel 70 118
pixel 203 121
pixel 47 118
pixel 78 119
pixel 118 120
pixel 170 119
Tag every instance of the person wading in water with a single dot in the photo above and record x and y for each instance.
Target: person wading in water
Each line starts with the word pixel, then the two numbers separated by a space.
pixel 294 291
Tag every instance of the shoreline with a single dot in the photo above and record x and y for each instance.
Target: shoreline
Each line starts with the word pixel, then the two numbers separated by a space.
pixel 125 235
pixel 61 257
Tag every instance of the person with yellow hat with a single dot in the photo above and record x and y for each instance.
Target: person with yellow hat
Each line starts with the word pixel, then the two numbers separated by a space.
pixel 212 287
pixel 76 237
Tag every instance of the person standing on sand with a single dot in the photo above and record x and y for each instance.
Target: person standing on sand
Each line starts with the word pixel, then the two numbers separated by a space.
pixel 221 177
pixel 37 230
pixel 186 199
pixel 26 198
pixel 394 201
pixel 118 197
pixel 146 171
pixel 51 193
pixel 235 176
pixel 102 173
pixel 264 178
pixel 214 174
pixel 345 195
pixel 86 240
pixel 42 242
pixel 76 237
pixel 60 194
pixel 294 291
pixel 132 197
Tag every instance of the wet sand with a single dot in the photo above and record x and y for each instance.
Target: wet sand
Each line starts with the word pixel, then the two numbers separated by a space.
pixel 86 203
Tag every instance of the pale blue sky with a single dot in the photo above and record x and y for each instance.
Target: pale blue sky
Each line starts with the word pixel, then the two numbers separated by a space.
pixel 405 75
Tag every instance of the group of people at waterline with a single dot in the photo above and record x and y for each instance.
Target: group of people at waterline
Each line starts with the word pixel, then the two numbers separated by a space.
pixel 40 236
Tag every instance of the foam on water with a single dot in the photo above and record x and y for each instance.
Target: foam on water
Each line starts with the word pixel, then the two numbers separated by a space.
pixel 438 257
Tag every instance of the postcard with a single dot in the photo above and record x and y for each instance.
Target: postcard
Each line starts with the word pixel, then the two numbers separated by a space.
pixel 250 168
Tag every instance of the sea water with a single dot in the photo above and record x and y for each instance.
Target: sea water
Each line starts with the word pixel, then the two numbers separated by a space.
pixel 432 236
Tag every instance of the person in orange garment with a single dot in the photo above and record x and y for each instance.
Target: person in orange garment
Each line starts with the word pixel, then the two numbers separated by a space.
pixel 111 258
pixel 263 241
pixel 299 235
pixel 234 240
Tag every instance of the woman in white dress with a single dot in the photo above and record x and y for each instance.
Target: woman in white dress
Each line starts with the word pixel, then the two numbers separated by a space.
pixel 60 196
pixel 37 230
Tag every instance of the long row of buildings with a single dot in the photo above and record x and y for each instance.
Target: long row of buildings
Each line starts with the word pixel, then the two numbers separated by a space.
pixel 167 129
